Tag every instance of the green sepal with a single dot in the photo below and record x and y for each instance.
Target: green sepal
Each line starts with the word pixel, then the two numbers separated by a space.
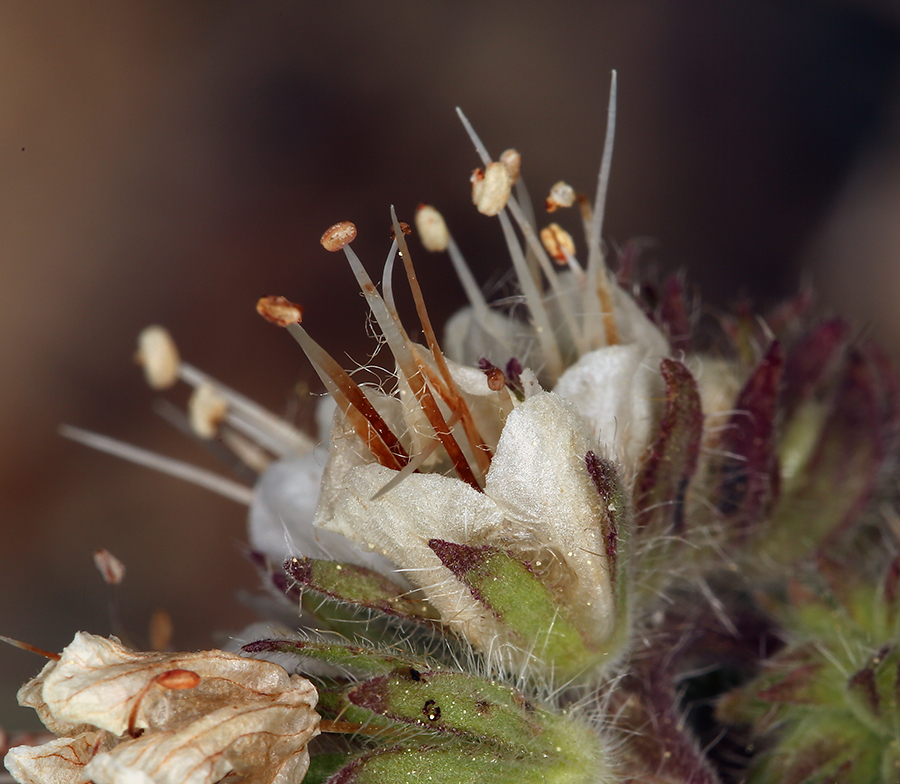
pixel 354 658
pixel 527 611
pixel 335 706
pixel 359 586
pixel 323 766
pixel 454 704
pixel 453 764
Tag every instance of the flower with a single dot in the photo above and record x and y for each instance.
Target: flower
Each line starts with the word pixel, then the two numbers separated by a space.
pixel 165 718
pixel 515 552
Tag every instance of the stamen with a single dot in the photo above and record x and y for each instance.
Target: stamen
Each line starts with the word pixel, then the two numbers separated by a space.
pixel 30 648
pixel 535 301
pixel 533 296
pixel 111 568
pixel 455 399
pixel 561 247
pixel 362 415
pixel 435 237
pixel 246 450
pixel 598 280
pixel 414 465
pixel 251 419
pixel 397 343
pixel 387 280
pixel 491 188
pixel 158 356
pixel 165 465
pixel 497 382
pixel 207 410
pixel 353 402
pixel 561 195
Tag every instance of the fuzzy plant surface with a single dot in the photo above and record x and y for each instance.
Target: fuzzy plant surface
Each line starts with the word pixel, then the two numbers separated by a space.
pixel 593 535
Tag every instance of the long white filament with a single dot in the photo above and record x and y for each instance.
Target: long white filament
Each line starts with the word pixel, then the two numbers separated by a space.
pixel 165 465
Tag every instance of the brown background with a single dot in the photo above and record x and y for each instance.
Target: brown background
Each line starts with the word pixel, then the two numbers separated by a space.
pixel 171 162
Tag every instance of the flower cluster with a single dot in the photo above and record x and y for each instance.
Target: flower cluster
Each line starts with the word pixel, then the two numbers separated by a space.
pixel 516 554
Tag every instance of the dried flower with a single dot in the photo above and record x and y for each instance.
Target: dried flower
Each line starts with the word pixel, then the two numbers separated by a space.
pixel 166 718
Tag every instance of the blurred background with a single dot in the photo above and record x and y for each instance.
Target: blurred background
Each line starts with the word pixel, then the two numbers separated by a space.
pixel 171 162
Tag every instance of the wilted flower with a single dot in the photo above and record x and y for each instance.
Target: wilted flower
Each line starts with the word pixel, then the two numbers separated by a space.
pixel 167 718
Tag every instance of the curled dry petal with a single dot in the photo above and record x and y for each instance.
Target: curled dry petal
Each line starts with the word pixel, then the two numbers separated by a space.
pixel 186 718
pixel 60 761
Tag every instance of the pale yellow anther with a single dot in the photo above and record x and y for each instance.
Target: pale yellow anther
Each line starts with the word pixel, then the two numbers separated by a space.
pixel 491 188
pixel 561 195
pixel 512 160
pixel 158 356
pixel 558 243
pixel 432 229
pixel 207 409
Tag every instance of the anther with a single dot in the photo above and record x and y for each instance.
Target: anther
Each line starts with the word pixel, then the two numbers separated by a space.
pixel 338 235
pixel 561 195
pixel 491 188
pixel 558 243
pixel 158 356
pixel 280 310
pixel 432 228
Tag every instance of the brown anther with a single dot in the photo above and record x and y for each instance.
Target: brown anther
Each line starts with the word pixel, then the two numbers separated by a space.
pixel 175 680
pixel 561 195
pixel 338 235
pixel 404 227
pixel 558 243
pixel 496 379
pixel 112 569
pixel 280 310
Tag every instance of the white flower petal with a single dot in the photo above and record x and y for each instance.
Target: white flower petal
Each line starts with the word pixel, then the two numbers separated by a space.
pixel 540 482
pixel 98 681
pixel 618 390
pixel 187 718
pixel 399 524
pixel 263 739
pixel 59 761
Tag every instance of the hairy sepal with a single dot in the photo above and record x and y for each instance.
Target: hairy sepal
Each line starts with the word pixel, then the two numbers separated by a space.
pixel 361 587
pixel 534 624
